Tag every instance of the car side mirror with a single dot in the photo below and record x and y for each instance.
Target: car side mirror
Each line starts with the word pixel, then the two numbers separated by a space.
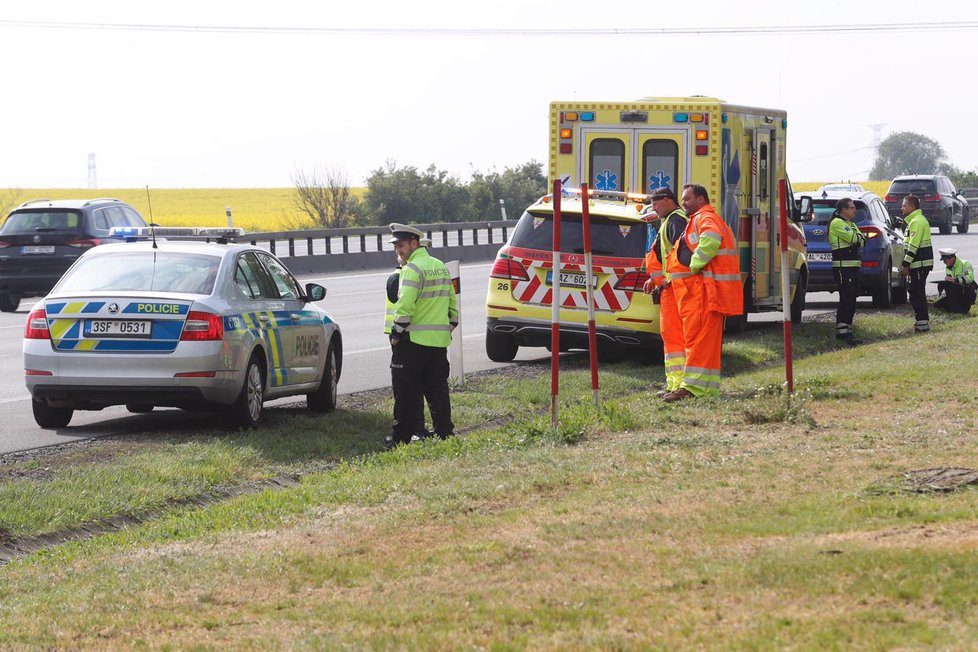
pixel 806 211
pixel 315 292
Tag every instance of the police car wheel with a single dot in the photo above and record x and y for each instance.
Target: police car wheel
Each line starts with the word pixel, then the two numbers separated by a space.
pixel 324 398
pixel 50 417
pixel 246 410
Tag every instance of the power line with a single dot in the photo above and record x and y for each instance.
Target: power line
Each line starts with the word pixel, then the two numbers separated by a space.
pixel 948 26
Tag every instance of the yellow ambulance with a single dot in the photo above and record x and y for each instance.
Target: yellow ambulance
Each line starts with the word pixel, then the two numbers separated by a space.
pixel 736 152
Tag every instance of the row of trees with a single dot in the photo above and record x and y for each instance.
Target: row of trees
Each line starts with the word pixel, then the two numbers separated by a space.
pixel 405 194
pixel 907 152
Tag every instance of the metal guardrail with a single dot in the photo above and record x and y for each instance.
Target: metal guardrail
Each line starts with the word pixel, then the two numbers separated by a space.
pixel 330 250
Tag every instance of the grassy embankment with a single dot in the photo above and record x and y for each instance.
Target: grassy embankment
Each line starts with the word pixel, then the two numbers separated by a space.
pixel 749 521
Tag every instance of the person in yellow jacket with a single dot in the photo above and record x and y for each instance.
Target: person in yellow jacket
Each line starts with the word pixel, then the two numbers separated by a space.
pixel 672 223
pixel 918 260
pixel 958 287
pixel 704 272
pixel 425 315
pixel 846 239
pixel 390 303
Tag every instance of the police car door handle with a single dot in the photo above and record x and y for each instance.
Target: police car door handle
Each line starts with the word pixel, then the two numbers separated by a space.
pixel 295 317
pixel 263 318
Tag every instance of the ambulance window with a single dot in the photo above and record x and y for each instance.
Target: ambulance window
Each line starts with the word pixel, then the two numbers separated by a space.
pixel 607 164
pixel 660 165
pixel 762 168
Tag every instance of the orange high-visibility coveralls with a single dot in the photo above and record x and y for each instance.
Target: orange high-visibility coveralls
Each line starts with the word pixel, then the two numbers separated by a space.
pixel 670 324
pixel 704 271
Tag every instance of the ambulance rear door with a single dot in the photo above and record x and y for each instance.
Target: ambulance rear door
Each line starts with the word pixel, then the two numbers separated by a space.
pixel 763 197
pixel 637 159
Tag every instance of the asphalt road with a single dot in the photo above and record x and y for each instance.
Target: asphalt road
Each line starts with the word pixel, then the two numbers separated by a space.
pixel 356 301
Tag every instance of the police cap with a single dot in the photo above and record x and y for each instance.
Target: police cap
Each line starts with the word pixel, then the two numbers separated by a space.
pixel 947 252
pixel 404 232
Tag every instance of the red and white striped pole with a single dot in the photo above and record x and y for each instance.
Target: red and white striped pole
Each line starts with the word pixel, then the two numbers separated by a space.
pixel 592 337
pixel 555 313
pixel 786 284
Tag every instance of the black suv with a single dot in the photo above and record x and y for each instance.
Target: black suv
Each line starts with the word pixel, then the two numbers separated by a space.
pixel 40 239
pixel 941 204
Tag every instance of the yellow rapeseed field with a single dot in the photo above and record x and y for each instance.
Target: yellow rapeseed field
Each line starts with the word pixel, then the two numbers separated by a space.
pixel 253 209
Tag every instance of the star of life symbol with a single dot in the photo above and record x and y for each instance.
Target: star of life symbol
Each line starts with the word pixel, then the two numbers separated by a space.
pixel 659 180
pixel 606 180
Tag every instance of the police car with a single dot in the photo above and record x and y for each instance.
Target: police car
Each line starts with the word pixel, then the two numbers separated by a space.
pixel 196 325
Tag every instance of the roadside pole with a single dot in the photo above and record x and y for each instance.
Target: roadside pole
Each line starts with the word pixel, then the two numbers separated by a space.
pixel 592 337
pixel 455 360
pixel 555 313
pixel 786 285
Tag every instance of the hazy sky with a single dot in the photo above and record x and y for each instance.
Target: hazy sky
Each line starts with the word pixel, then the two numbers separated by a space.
pixel 201 103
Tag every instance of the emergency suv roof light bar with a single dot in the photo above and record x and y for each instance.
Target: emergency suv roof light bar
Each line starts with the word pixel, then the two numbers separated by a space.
pixel 134 233
pixel 638 197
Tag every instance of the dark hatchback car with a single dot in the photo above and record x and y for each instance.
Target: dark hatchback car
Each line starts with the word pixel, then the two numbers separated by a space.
pixel 941 203
pixel 40 239
pixel 879 273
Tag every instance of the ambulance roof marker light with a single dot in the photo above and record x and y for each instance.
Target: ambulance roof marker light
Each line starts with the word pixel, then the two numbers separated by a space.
pixel 724 118
pixel 696 117
pixel 587 116
pixel 702 134
pixel 566 133
pixel 680 117
pixel 570 116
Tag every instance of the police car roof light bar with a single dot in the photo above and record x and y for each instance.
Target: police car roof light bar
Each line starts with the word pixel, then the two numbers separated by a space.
pixel 133 233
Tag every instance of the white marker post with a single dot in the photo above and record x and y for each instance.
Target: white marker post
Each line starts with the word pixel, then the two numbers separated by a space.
pixel 227 211
pixel 455 348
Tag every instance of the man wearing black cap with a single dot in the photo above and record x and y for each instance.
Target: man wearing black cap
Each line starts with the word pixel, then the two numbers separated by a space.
pixel 425 315
pixel 958 286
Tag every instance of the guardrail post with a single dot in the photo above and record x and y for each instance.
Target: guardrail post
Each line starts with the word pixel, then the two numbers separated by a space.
pixel 346 244
pixel 271 245
pixel 292 246
pixel 363 242
pixel 380 244
pixel 308 246
pixel 475 236
pixel 329 244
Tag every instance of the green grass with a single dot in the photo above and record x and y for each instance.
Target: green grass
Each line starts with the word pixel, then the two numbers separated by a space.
pixel 753 520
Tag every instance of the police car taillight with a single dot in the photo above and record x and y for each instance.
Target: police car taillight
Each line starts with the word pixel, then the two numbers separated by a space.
pixel 509 269
pixel 37 326
pixel 632 281
pixel 202 326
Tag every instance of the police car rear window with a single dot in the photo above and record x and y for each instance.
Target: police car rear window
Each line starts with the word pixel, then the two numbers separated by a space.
pixel 609 237
pixel 41 222
pixel 142 271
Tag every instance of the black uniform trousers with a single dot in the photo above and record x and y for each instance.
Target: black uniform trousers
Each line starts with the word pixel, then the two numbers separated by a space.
pixel 847 282
pixel 420 372
pixel 917 290
pixel 957 297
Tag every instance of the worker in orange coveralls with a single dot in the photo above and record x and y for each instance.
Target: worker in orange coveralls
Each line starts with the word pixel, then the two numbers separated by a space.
pixel 704 272
pixel 672 223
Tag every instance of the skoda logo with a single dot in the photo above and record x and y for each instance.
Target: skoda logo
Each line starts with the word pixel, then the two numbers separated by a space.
pixel 113 308
pixel 37 238
pixel 818 231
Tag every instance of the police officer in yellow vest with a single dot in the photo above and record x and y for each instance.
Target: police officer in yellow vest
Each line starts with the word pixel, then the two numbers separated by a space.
pixel 424 316
pixel 918 260
pixel 958 287
pixel 846 239
pixel 390 303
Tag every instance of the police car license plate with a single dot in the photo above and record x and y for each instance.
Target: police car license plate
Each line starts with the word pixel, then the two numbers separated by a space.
pixel 820 258
pixel 37 249
pixel 118 328
pixel 572 279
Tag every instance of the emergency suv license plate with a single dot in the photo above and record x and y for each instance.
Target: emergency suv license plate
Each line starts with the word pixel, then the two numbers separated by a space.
pixel 572 279
pixel 118 328
pixel 821 258
pixel 37 249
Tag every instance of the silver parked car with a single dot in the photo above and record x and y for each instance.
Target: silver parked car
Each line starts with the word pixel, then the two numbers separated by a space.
pixel 193 325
